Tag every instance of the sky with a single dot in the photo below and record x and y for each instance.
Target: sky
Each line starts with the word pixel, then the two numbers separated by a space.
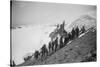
pixel 37 13
pixel 24 13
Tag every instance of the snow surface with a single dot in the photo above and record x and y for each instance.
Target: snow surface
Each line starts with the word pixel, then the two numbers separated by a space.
pixel 82 35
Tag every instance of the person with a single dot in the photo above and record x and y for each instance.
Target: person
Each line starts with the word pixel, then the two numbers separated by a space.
pixel 77 31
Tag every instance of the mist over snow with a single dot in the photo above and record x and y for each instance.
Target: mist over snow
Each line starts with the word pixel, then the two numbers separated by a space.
pixel 28 39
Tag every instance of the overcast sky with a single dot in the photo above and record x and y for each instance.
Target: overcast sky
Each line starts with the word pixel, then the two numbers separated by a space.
pixel 34 13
